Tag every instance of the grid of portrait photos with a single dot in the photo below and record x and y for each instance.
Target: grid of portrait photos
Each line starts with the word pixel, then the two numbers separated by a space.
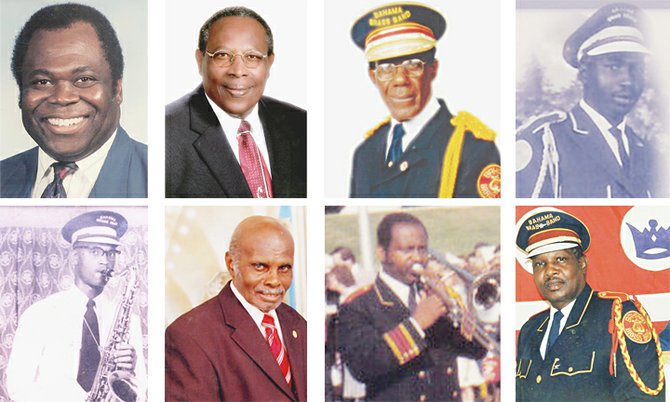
pixel 330 201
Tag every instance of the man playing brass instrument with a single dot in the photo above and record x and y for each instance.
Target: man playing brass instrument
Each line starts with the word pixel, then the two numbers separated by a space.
pixel 60 340
pixel 398 342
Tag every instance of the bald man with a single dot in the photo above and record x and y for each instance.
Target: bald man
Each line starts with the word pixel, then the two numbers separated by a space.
pixel 244 344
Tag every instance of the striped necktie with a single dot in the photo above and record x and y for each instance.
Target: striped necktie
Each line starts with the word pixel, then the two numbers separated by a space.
pixel 278 350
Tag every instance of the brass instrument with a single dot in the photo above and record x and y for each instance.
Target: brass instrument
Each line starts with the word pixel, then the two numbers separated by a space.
pixel 478 315
pixel 110 384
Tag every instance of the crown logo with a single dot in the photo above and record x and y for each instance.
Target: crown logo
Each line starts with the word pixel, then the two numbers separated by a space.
pixel 652 243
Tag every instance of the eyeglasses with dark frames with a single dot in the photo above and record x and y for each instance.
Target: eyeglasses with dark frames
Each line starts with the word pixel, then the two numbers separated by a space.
pixel 99 252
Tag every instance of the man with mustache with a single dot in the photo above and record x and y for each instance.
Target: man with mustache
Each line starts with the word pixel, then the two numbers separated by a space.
pixel 244 344
pixel 58 347
pixel 421 150
pixel 396 341
pixel 225 139
pixel 592 151
pixel 68 64
pixel 589 345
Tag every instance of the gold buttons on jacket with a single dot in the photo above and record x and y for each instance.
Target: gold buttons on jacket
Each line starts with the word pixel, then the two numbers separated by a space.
pixel 538 379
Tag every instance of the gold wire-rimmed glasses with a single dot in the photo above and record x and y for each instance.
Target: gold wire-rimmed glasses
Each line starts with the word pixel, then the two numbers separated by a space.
pixel 224 58
pixel 386 71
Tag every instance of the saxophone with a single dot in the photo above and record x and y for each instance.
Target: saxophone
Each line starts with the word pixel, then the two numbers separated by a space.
pixel 111 384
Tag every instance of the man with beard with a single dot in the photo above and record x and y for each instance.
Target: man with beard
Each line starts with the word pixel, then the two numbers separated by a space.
pixel 68 64
pixel 592 151
pixel 244 344
pixel 226 139
pixel 395 340
pixel 589 345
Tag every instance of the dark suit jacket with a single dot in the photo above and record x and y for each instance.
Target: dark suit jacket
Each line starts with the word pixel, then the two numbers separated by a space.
pixel 199 161
pixel 215 352
pixel 586 165
pixel 371 323
pixel 577 366
pixel 123 174
pixel 418 172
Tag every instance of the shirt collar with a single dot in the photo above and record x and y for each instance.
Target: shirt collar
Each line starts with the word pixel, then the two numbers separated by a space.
pixel 400 289
pixel 599 120
pixel 414 125
pixel 255 313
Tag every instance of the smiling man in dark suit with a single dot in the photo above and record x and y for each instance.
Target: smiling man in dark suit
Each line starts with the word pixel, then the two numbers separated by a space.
pixel 68 64
pixel 244 344
pixel 225 139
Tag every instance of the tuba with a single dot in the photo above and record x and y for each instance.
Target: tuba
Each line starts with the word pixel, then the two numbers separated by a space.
pixel 478 314
pixel 110 384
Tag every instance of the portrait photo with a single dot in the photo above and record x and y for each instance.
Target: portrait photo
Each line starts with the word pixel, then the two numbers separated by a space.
pixel 235 298
pixel 412 303
pixel 75 291
pixel 87 113
pixel 464 79
pixel 592 289
pixel 592 96
pixel 236 99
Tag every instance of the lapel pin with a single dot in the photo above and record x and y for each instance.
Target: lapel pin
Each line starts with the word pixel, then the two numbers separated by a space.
pixel 295 334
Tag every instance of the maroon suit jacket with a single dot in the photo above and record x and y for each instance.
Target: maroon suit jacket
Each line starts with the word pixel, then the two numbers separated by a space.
pixel 215 352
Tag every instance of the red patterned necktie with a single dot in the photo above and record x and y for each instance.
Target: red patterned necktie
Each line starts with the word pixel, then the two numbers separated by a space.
pixel 55 189
pixel 252 163
pixel 278 351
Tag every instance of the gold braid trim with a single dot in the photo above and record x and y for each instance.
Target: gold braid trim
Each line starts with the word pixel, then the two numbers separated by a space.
pixel 624 349
pixel 462 122
pixel 375 128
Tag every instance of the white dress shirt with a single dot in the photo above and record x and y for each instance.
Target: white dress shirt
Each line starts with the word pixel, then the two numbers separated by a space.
pixel 414 125
pixel 77 184
pixel 566 312
pixel 44 360
pixel 604 127
pixel 402 291
pixel 230 125
pixel 256 314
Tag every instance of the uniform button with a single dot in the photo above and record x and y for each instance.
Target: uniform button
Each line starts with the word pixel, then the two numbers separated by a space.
pixel 454 394
pixel 421 375
pixel 390 164
pixel 423 398
pixel 570 369
pixel 403 166
pixel 450 371
pixel 538 379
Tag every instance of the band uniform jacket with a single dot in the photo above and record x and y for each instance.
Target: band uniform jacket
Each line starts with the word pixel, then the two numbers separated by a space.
pixel 561 155
pixel 418 172
pixel 123 174
pixel 577 366
pixel 215 352
pixel 384 350
pixel 200 162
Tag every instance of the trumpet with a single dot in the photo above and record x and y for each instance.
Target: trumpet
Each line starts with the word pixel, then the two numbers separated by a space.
pixel 478 315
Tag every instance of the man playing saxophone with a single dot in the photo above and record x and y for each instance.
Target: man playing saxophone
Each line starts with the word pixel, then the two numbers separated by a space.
pixel 61 339
pixel 399 343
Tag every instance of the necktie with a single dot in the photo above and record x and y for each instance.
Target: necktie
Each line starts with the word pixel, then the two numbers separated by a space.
pixel 622 149
pixel 395 151
pixel 411 300
pixel 278 351
pixel 89 355
pixel 55 189
pixel 553 332
pixel 252 163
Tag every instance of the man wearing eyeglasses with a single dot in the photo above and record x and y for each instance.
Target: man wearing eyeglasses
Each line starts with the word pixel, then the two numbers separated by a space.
pixel 225 139
pixel 59 342
pixel 421 150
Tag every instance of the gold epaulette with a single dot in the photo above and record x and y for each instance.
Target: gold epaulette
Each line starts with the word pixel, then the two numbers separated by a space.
pixel 375 128
pixel 607 294
pixel 470 123
pixel 356 293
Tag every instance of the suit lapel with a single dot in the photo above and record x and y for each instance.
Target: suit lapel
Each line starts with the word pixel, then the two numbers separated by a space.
pixel 250 340
pixel 294 348
pixel 279 150
pixel 214 149
pixel 109 182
